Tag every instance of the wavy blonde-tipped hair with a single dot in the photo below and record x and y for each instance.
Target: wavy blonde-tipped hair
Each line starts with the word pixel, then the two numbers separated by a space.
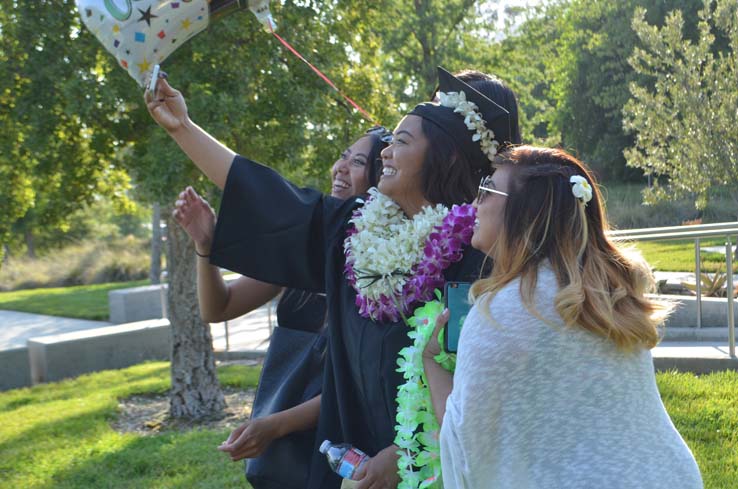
pixel 601 284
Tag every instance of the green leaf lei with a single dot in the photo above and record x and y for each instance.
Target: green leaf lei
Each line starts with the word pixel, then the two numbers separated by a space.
pixel 417 428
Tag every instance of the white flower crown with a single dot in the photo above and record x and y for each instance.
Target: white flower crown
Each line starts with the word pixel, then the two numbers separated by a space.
pixel 473 120
pixel 581 188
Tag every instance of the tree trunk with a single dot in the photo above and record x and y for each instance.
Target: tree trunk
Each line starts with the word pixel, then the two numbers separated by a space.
pixel 155 267
pixel 195 388
pixel 30 243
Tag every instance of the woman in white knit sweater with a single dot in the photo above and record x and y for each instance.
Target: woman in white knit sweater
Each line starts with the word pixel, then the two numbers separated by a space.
pixel 554 384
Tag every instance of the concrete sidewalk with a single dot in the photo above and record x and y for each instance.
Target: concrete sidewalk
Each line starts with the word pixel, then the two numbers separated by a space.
pixel 248 337
pixel 18 327
pixel 247 333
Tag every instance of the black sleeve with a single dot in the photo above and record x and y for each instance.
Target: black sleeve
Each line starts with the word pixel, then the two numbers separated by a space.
pixel 273 231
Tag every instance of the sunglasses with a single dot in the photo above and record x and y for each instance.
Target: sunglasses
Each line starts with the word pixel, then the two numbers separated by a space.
pixel 487 186
pixel 384 134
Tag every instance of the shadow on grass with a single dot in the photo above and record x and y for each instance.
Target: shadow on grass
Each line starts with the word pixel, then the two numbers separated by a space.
pixel 117 383
pixel 41 435
pixel 172 460
pixel 59 435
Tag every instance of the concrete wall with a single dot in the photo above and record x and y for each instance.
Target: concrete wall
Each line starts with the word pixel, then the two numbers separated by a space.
pixel 14 369
pixel 714 311
pixel 137 303
pixel 70 354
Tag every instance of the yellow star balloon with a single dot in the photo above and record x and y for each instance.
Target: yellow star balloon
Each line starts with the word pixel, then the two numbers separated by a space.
pixel 140 33
pixel 144 66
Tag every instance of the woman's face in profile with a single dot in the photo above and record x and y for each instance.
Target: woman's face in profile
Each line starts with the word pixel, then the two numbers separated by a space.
pixel 349 172
pixel 490 206
pixel 402 164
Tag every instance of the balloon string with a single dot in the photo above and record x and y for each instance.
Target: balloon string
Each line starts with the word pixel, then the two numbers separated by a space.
pixel 321 75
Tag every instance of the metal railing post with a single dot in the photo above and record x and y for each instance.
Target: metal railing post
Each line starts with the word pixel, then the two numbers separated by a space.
pixel 729 294
pixel 698 280
pixel 228 342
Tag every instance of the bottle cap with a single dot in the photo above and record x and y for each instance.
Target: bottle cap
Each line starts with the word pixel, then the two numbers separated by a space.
pixel 324 446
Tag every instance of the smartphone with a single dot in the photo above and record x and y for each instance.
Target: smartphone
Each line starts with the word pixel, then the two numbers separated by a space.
pixel 458 305
pixel 154 78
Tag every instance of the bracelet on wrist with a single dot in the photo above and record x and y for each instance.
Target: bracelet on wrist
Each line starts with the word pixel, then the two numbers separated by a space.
pixel 201 255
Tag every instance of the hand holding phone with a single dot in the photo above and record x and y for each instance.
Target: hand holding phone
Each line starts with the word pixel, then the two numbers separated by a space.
pixel 458 305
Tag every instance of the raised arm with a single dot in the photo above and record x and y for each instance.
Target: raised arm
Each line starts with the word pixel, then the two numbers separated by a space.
pixel 218 300
pixel 168 108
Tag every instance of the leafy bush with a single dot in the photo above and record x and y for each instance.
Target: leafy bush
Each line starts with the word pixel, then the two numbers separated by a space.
pixel 625 208
pixel 85 263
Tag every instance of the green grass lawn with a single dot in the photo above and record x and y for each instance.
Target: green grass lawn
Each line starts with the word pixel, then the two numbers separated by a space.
pixel 59 436
pixel 678 256
pixel 82 301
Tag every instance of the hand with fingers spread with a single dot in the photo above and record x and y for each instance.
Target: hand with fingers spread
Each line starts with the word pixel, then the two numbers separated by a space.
pixel 166 105
pixel 196 217
pixel 250 439
pixel 380 472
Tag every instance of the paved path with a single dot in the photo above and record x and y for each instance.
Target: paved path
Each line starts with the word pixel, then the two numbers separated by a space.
pixel 250 334
pixel 247 333
pixel 17 327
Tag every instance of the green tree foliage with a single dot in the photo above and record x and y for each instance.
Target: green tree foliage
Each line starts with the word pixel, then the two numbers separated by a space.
pixel 684 117
pixel 56 145
pixel 568 63
pixel 417 36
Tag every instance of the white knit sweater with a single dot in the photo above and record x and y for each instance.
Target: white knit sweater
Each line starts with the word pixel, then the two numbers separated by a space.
pixel 537 405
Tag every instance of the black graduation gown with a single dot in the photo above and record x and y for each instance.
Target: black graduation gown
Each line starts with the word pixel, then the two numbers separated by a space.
pixel 273 231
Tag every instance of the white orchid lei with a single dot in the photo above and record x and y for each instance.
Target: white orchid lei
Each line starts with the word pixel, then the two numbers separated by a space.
pixel 473 120
pixel 393 261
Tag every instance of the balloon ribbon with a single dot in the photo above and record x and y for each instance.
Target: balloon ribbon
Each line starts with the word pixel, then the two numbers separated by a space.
pixel 321 75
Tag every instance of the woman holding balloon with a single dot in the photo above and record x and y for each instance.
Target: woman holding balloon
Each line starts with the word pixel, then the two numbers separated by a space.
pixel 286 407
pixel 376 260
pixel 271 230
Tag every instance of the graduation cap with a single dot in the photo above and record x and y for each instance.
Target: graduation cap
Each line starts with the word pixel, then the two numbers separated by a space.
pixel 475 122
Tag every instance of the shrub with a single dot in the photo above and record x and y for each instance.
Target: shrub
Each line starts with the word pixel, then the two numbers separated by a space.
pixel 85 263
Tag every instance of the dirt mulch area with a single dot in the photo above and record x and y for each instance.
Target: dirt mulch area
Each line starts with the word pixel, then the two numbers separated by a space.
pixel 149 414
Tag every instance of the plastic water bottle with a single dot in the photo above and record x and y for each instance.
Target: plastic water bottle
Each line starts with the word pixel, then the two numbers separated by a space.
pixel 344 459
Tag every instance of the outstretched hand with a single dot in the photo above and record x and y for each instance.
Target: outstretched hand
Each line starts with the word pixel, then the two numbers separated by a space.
pixel 250 439
pixel 196 217
pixel 166 105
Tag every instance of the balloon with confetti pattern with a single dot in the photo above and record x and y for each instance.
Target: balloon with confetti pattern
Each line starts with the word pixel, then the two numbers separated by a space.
pixel 143 33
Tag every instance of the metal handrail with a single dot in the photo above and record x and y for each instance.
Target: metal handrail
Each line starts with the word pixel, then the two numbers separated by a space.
pixel 665 236
pixel 669 229
pixel 695 232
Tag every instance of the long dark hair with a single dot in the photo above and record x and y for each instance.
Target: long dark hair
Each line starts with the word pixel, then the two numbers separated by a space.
pixel 448 176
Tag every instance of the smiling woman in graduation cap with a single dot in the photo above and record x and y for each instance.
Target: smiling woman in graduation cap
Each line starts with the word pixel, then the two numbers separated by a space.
pixel 377 260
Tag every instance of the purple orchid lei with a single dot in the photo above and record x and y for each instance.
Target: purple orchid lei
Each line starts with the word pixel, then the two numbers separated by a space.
pixel 444 246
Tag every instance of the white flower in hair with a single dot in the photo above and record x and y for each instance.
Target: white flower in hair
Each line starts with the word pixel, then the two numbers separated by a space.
pixel 472 119
pixel 581 188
